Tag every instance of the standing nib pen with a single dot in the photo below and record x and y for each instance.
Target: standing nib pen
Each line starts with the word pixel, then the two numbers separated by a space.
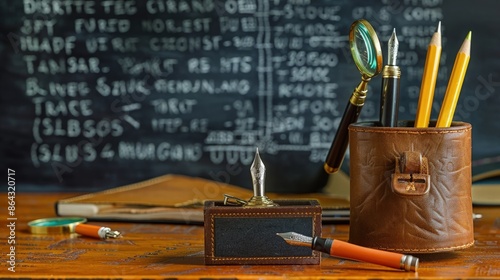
pixel 347 250
pixel 259 199
pixel 389 97
pixel 237 231
pixel 258 172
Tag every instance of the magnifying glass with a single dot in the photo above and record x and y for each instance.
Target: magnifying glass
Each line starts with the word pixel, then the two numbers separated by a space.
pixel 365 48
pixel 367 55
pixel 61 225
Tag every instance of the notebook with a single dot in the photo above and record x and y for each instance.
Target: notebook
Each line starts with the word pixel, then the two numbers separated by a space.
pixel 486 181
pixel 175 199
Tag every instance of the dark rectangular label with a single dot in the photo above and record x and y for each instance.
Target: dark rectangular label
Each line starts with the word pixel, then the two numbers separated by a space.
pixel 256 237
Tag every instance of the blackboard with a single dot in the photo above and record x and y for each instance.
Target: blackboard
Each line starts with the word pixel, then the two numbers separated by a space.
pixel 96 94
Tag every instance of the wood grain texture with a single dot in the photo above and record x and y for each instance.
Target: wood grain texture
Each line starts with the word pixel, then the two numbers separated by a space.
pixel 160 251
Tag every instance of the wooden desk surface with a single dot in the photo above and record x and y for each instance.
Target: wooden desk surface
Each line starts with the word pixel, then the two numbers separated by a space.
pixel 158 251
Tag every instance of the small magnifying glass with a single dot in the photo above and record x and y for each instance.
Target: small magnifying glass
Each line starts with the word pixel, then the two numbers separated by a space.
pixel 62 225
pixel 367 55
pixel 365 49
pixel 59 225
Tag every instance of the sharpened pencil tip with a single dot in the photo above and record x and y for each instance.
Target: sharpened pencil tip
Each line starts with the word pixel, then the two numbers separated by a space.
pixel 469 36
pixel 439 27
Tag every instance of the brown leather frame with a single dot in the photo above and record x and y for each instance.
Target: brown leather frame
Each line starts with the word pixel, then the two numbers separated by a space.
pixel 411 187
pixel 239 235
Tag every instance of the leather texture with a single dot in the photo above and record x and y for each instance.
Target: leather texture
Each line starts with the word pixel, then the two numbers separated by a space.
pixel 241 235
pixel 411 187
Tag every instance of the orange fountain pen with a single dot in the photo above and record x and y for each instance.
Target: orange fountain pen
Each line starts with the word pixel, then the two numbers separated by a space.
pixel 96 231
pixel 341 249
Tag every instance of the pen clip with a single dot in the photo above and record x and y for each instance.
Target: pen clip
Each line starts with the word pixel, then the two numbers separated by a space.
pixel 234 201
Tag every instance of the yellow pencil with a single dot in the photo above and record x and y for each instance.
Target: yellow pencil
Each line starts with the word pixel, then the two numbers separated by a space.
pixel 455 84
pixel 429 80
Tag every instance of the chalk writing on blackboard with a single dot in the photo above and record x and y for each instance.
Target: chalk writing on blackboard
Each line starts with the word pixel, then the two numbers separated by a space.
pixel 103 93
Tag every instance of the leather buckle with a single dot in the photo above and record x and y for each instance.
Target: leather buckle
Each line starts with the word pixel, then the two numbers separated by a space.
pixel 411 175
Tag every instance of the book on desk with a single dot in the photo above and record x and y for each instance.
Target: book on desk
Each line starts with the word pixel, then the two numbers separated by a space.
pixel 175 199
pixel 486 181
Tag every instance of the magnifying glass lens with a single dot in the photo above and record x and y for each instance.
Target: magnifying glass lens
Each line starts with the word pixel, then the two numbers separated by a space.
pixel 364 50
pixel 55 225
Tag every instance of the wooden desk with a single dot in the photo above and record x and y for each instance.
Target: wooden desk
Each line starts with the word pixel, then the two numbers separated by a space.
pixel 158 251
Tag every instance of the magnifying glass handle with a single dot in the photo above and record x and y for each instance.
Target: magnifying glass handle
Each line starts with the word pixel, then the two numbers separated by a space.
pixel 339 145
pixel 337 151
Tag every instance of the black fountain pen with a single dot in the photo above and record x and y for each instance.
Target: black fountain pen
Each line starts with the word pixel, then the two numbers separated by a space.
pixel 389 97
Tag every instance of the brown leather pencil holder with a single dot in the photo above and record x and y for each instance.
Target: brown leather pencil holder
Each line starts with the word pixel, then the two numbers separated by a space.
pixel 247 235
pixel 411 187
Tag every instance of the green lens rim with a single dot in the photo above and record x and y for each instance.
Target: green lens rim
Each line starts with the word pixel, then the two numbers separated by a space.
pixel 369 62
pixel 55 225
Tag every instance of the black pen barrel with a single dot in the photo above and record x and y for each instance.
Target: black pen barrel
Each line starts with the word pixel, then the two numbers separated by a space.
pixel 389 101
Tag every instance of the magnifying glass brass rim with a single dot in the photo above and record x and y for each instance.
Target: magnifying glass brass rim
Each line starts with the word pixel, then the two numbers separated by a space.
pixel 373 55
pixel 55 225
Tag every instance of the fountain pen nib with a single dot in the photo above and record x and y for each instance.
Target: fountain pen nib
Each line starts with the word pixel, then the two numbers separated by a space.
pixel 296 239
pixel 393 47
pixel 258 172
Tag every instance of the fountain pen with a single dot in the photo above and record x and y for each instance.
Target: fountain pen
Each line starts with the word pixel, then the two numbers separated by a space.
pixel 389 96
pixel 341 249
